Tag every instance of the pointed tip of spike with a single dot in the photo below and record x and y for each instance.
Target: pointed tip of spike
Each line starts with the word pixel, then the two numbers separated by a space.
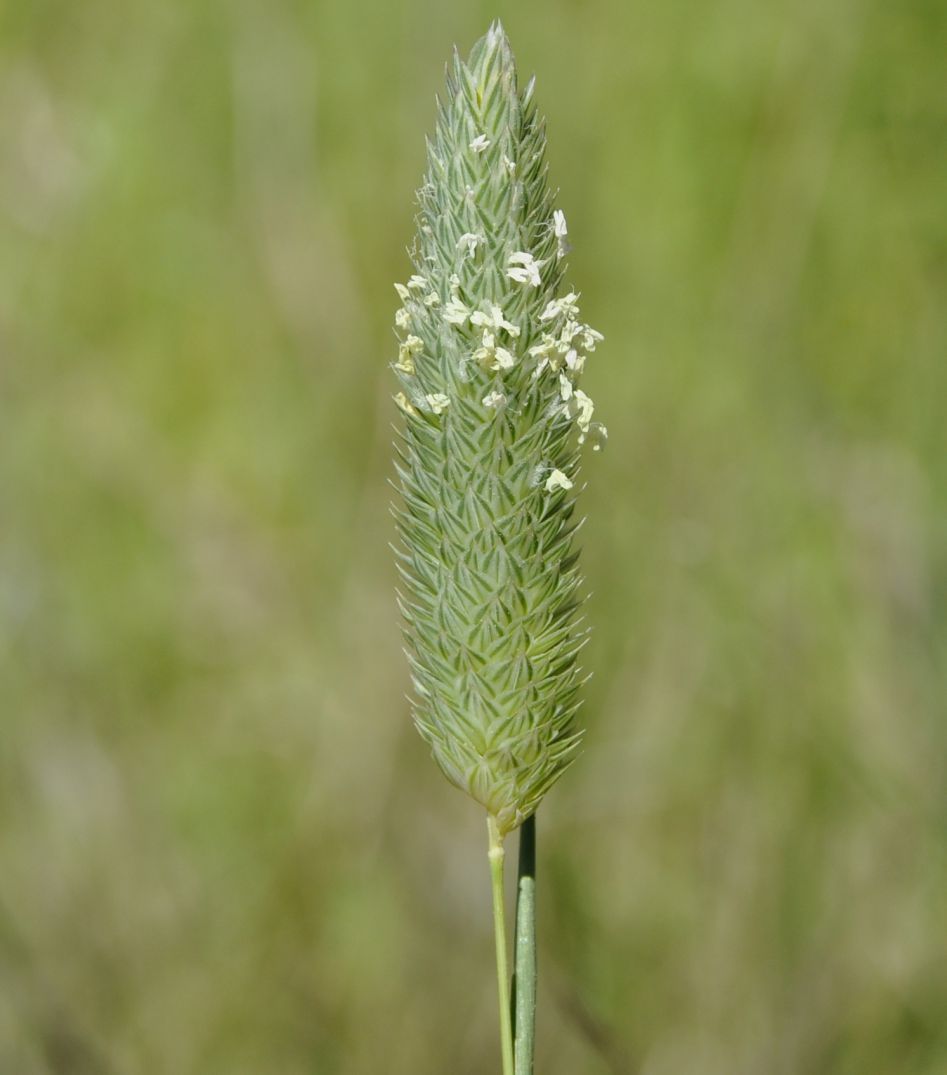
pixel 497 36
pixel 493 41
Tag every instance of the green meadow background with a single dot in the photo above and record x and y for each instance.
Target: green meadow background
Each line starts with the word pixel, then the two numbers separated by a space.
pixel 223 848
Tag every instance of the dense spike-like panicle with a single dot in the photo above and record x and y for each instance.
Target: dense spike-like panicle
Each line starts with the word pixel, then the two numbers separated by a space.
pixel 489 358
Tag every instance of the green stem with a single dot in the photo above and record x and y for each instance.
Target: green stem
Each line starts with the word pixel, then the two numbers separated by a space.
pixel 495 855
pixel 524 959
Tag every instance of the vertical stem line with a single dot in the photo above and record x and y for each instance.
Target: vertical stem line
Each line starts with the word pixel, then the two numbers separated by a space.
pixel 524 959
pixel 496 854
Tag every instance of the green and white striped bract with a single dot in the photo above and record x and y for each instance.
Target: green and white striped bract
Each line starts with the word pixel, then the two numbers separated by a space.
pixel 491 350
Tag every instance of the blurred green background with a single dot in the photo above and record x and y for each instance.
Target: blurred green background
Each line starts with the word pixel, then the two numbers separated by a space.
pixel 223 848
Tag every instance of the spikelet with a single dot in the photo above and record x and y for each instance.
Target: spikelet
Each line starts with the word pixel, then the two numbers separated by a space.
pixel 490 352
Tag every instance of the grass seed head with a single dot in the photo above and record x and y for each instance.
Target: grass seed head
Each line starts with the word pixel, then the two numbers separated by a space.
pixel 491 350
